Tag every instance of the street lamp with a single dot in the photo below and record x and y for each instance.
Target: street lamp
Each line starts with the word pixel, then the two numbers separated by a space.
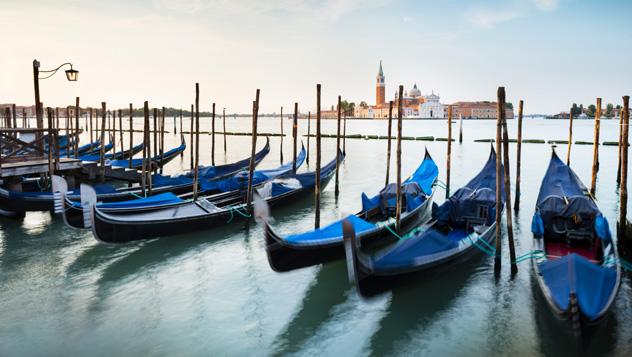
pixel 71 74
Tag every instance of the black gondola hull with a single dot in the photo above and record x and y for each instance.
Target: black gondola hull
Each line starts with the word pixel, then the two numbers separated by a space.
pixel 109 231
pixel 284 257
pixel 370 283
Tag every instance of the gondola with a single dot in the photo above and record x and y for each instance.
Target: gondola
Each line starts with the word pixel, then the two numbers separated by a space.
pixel 463 225
pixel 213 190
pixel 119 155
pixel 576 270
pixel 34 199
pixel 156 161
pixel 202 214
pixel 82 150
pixel 96 151
pixel 373 224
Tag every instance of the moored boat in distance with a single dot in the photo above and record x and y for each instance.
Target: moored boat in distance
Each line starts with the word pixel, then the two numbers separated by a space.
pixel 198 215
pixel 210 189
pixel 577 266
pixel 374 223
pixel 34 199
pixel 463 226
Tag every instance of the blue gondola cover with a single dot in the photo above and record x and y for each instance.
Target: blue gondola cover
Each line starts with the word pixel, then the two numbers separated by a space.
pixel 573 273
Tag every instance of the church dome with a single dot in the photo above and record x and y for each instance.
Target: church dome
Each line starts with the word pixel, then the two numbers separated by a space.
pixel 415 92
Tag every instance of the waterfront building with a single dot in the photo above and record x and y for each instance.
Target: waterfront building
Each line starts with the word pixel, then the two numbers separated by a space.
pixel 478 110
pixel 410 101
pixel 431 108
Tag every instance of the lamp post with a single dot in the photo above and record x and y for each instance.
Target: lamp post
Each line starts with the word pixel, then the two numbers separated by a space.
pixel 71 74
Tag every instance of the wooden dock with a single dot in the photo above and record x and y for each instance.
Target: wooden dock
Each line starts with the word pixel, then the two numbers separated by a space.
pixel 38 166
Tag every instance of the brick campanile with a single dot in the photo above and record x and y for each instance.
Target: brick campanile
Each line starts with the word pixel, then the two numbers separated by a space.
pixel 380 97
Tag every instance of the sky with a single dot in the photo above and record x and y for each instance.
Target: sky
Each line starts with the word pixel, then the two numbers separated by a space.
pixel 550 53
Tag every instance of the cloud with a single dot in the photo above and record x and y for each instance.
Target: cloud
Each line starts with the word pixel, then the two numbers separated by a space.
pixel 327 9
pixel 489 18
pixel 186 6
pixel 546 5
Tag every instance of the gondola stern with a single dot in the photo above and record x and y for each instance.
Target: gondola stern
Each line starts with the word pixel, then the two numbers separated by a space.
pixel 356 271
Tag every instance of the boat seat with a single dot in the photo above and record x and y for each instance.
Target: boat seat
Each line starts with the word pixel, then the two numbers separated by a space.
pixel 208 206
pixel 472 222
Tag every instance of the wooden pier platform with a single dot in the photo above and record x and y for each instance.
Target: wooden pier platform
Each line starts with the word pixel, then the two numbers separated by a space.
pixel 31 167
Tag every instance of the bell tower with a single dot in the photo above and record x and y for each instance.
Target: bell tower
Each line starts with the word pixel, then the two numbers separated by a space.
pixel 380 98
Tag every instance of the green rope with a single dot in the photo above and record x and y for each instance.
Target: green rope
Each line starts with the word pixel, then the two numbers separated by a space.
pixel 136 195
pixel 236 209
pixel 393 232
pixel 490 252
pixel 626 265
pixel 530 255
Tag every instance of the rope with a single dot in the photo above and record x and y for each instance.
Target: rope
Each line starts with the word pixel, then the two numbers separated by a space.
pixel 136 195
pixel 441 184
pixel 530 255
pixel 626 265
pixel 236 209
pixel 490 252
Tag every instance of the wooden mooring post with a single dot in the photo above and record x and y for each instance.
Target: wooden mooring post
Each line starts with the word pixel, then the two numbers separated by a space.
pixel 337 189
pixel 253 148
pixel 460 128
pixel 281 147
pixel 449 154
pixel 144 167
pixel 309 121
pixel 120 115
pixel 344 134
pixel 620 145
pixel 595 166
pixel 213 136
pixel 182 134
pixel 51 143
pixel 102 147
pixel 162 139
pixel 150 164
pixel 131 133
pixel 155 137
pixel 570 139
pixel 90 124
pixel 197 142
pixel 294 136
pixel 317 187
pixel 499 173
pixel 77 114
pixel 398 210
pixel 623 188
pixel 507 177
pixel 518 157
pixel 15 118
pixel 191 135
pixel 57 117
pixel 224 127
pixel 113 133
pixel 389 140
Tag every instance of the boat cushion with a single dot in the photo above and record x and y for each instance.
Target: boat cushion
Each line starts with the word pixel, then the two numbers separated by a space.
pixel 592 283
pixel 331 231
pixel 412 251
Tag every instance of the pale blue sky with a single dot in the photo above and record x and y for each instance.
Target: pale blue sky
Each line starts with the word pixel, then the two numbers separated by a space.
pixel 548 52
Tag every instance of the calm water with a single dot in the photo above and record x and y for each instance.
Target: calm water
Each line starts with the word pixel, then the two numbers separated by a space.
pixel 213 293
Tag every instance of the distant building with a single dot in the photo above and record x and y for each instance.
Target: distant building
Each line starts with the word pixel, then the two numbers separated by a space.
pixel 410 101
pixel 478 110
pixel 431 108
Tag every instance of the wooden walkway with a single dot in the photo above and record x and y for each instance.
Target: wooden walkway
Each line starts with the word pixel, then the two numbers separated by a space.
pixel 30 167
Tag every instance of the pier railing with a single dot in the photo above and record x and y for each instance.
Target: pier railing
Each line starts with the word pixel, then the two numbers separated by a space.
pixel 23 147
